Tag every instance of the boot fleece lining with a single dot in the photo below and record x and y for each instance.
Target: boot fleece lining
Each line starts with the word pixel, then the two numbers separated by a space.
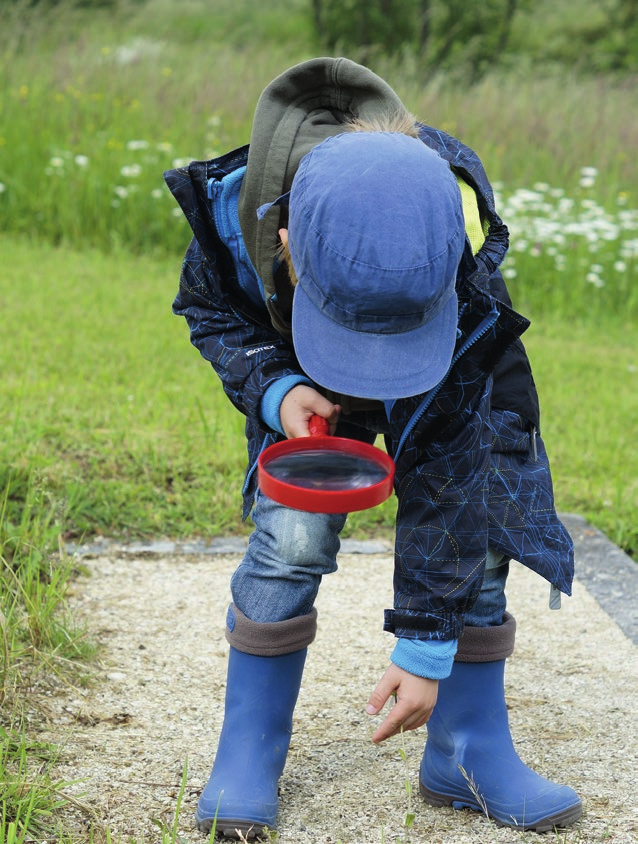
pixel 487 644
pixel 271 638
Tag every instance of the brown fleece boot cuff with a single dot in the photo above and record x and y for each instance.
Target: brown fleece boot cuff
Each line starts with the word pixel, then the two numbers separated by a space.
pixel 487 644
pixel 271 638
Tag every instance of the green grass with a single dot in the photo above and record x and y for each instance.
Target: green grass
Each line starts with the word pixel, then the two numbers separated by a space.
pixel 36 628
pixel 106 401
pixel 29 795
pixel 130 434
pixel 40 646
pixel 587 377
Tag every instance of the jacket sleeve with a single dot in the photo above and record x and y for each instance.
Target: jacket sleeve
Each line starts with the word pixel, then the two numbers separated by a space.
pixel 244 349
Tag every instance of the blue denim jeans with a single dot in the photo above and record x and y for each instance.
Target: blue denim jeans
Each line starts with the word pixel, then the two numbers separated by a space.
pixel 289 552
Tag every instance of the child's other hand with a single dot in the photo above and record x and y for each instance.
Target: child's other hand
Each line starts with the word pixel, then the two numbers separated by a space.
pixel 299 405
pixel 415 700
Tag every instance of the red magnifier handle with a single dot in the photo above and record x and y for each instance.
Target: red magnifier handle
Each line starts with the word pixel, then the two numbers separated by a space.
pixel 318 426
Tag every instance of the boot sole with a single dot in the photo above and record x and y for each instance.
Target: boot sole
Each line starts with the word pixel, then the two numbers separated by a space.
pixel 561 819
pixel 229 828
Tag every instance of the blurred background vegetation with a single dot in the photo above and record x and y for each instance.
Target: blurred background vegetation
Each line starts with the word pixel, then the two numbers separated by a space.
pixel 98 97
pixel 471 36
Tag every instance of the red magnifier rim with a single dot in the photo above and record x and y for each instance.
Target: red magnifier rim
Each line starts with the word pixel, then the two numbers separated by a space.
pixel 325 501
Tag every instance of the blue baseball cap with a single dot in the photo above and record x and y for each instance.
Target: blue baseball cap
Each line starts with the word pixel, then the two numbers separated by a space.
pixel 376 234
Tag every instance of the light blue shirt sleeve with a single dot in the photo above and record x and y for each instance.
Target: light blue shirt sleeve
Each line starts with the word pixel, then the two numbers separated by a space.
pixel 273 397
pixel 425 657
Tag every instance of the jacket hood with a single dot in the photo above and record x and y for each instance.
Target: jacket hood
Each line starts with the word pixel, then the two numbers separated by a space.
pixel 300 108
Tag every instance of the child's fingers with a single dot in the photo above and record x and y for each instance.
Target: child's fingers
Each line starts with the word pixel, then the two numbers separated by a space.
pixel 399 718
pixel 391 726
pixel 378 699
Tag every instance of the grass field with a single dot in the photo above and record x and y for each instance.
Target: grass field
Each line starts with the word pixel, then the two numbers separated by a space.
pixel 112 411
pixel 112 425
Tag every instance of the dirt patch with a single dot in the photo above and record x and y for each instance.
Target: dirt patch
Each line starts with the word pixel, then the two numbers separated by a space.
pixel 157 703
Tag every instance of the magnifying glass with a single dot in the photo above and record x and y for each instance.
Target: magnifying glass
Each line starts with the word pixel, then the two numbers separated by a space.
pixel 324 474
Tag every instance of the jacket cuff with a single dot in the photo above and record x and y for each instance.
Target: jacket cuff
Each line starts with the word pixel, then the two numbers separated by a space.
pixel 414 624
pixel 273 397
pixel 431 658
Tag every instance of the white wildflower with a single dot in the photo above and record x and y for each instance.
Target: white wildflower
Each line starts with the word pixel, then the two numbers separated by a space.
pixel 620 266
pixel 137 49
pixel 120 191
pixel 130 171
pixel 157 193
pixel 82 160
pixel 529 195
pixel 56 162
pixel 589 172
pixel 134 145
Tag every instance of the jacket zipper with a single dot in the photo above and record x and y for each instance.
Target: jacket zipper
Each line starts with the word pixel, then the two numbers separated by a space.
pixel 483 328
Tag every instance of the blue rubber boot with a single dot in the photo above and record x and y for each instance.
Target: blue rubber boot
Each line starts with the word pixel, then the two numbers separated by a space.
pixel 470 760
pixel 241 795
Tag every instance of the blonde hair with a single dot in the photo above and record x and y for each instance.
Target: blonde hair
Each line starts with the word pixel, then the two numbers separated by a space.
pixel 282 255
pixel 398 122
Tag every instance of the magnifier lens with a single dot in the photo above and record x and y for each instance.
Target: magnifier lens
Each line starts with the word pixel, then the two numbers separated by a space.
pixel 326 471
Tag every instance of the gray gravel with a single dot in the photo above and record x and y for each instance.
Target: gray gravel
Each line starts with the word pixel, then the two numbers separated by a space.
pixel 156 704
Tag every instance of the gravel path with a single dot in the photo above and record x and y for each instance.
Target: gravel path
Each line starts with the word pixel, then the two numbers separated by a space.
pixel 157 702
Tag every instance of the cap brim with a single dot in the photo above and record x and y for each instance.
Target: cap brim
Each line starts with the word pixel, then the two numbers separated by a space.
pixel 373 366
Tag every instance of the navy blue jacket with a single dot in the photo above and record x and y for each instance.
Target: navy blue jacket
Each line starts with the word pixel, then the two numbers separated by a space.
pixel 471 471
